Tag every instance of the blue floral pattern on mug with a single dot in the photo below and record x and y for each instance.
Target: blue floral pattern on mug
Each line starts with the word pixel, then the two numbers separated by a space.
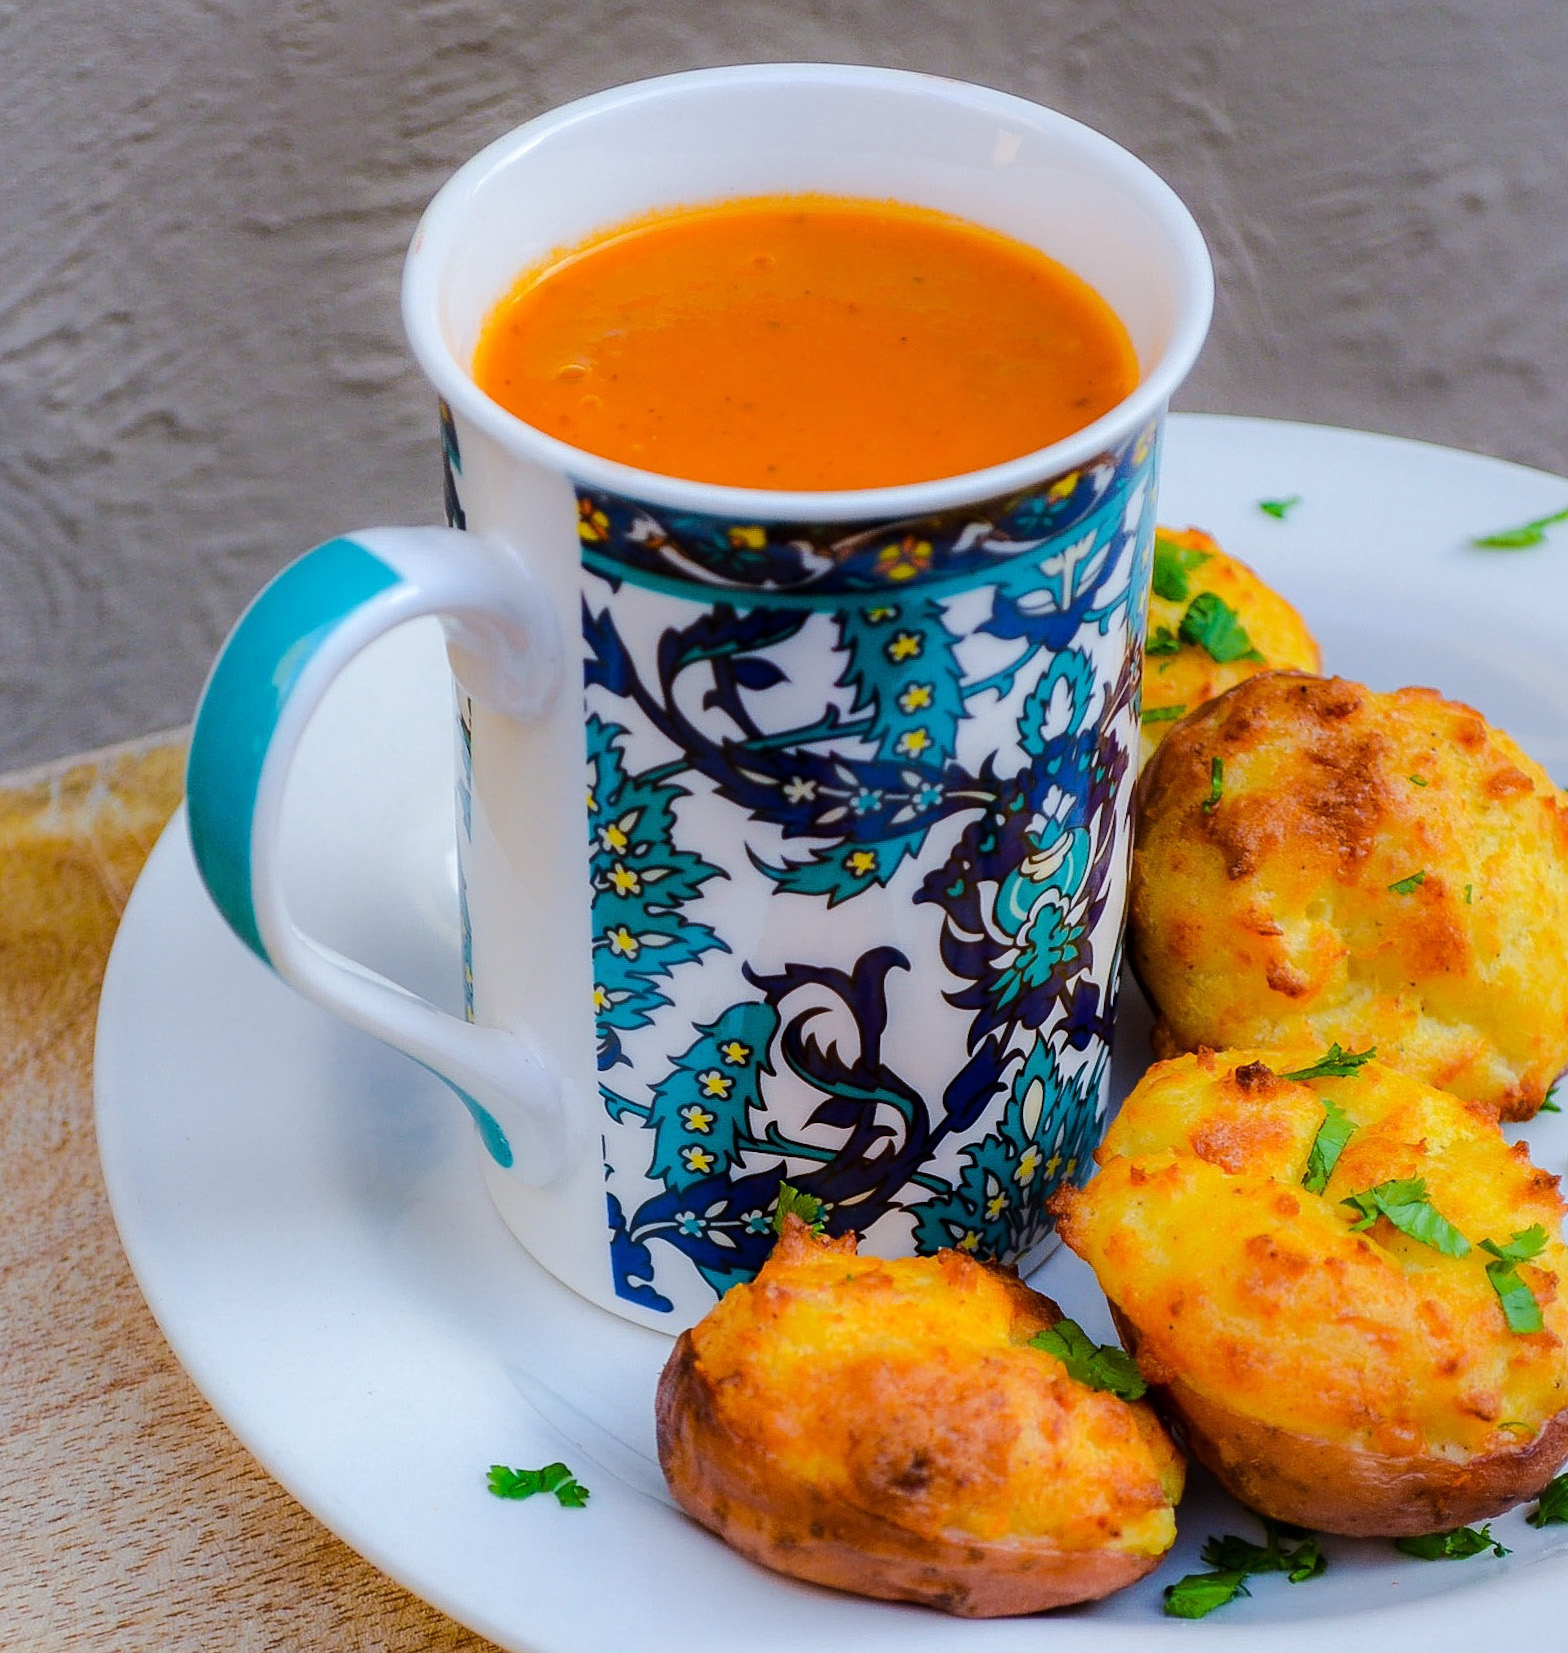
pixel 622 538
pixel 901 756
pixel 959 750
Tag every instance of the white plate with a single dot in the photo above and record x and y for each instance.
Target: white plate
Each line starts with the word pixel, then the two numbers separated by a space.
pixel 305 1214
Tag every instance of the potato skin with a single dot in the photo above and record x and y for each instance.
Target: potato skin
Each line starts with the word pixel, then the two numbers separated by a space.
pixel 1191 675
pixel 1331 1487
pixel 1353 1382
pixel 829 1434
pixel 1290 910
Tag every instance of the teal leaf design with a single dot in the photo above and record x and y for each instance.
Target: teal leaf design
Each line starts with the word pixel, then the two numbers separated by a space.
pixel 901 667
pixel 641 881
pixel 1045 1138
pixel 842 872
pixel 899 663
pixel 700 1109
pixel 1059 579
pixel 1060 702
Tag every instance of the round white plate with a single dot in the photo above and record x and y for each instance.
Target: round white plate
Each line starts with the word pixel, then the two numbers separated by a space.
pixel 305 1214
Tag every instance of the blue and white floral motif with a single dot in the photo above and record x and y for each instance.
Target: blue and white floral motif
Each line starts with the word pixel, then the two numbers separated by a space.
pixel 1045 1137
pixel 641 883
pixel 622 537
pixel 857 813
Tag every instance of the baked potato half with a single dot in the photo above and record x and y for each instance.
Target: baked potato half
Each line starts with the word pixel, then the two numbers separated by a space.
pixel 1293 1250
pixel 1316 862
pixel 886 1428
pixel 1212 623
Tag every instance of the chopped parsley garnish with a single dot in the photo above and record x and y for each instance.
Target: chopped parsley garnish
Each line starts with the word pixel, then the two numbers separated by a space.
pixel 1417 780
pixel 1408 886
pixel 1522 537
pixel 1334 1064
pixel 1404 1202
pixel 1162 640
pixel 1279 509
pixel 1198 1594
pixel 1234 1560
pixel 1163 714
pixel 1553 1505
pixel 1211 623
pixel 1551 1104
pixel 1335 1131
pixel 1172 564
pixel 1468 889
pixel 1099 1365
pixel 569 1492
pixel 1232 1554
pixel 1456 1545
pixel 1520 1308
pixel 805 1206
pixel 1216 785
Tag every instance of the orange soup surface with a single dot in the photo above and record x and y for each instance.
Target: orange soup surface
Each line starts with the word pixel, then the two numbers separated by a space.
pixel 805 342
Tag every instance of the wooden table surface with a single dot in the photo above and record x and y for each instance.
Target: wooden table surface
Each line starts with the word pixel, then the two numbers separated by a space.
pixel 130 1518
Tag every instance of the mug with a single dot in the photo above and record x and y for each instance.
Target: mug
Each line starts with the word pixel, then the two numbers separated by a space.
pixel 793 828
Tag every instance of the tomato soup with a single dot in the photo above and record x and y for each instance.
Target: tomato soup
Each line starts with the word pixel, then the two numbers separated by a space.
pixel 805 342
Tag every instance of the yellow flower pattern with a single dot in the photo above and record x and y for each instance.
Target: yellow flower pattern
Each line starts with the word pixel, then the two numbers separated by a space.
pixel 904 561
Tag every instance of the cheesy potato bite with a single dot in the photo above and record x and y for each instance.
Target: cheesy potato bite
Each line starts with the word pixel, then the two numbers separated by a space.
pixel 1367 1367
pixel 1212 623
pixel 1315 862
pixel 886 1428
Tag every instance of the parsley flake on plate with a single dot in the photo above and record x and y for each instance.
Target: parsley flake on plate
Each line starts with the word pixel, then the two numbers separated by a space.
pixel 1456 1545
pixel 1552 1505
pixel 1523 537
pixel 1232 1554
pixel 1551 1104
pixel 1335 1131
pixel 1212 624
pixel 569 1492
pixel 1099 1365
pixel 1333 1064
pixel 1404 1202
pixel 1198 1594
pixel 1279 509
pixel 1520 1308
pixel 1235 1560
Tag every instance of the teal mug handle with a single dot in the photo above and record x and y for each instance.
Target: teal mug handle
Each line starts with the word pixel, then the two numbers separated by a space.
pixel 270 676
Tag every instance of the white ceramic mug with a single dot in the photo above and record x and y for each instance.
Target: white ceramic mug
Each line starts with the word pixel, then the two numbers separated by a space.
pixel 846 906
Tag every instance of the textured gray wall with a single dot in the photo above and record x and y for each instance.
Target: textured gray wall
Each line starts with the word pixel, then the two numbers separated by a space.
pixel 206 201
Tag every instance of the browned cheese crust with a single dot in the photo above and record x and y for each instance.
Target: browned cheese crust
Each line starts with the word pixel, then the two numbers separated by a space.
pixel 1181 679
pixel 1316 862
pixel 823 1423
pixel 1358 1382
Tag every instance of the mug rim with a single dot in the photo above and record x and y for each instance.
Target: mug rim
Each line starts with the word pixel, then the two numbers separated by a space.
pixel 1192 280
